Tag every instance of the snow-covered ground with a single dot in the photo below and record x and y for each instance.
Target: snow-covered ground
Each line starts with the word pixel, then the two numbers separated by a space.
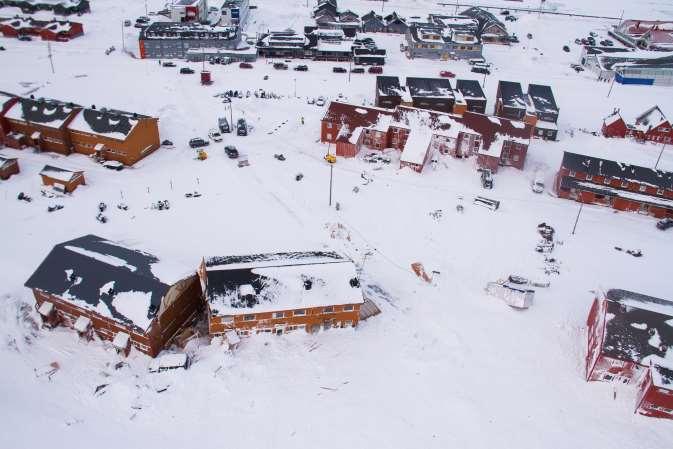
pixel 444 365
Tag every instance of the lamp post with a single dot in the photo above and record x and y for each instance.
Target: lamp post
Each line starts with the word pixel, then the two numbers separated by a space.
pixel 663 147
pixel 295 87
pixel 577 219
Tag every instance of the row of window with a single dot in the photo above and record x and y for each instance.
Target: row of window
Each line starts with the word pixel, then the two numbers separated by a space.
pixel 624 184
pixel 299 312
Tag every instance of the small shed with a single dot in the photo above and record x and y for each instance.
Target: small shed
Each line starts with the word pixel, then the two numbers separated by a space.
pixel 614 125
pixel 8 166
pixel 61 178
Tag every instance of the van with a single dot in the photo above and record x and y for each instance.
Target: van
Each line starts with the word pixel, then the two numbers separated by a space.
pixel 375 69
pixel 223 124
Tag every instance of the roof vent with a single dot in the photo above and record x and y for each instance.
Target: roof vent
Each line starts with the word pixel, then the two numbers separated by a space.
pixel 308 284
pixel 355 282
pixel 93 106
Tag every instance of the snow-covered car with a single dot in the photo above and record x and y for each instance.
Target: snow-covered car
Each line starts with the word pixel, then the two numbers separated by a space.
pixel 537 185
pixel 320 101
pixel 280 66
pixel 186 71
pixel 215 135
pixel 375 69
pixel 169 362
pixel 231 151
pixel 168 64
pixel 665 223
pixel 339 70
pixel 310 101
pixel 241 127
pixel 301 68
pixel 358 70
pixel 113 165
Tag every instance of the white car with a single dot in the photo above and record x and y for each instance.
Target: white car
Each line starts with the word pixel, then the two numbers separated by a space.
pixel 215 135
pixel 320 101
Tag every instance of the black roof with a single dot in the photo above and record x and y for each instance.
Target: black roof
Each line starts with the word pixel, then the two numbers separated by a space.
pixel 604 167
pixel 597 50
pixel 663 377
pixel 637 326
pixel 429 87
pixel 470 89
pixel 394 18
pixel 105 121
pixel 511 94
pixel 388 85
pixel 81 271
pixel 542 98
pixel 45 111
pixel 6 160
pixel 371 15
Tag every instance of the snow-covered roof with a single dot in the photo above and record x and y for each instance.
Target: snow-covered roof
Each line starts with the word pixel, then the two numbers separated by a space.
pixel 108 278
pixel 612 118
pixel 342 46
pixel 6 161
pixel 651 118
pixel 110 123
pixel 417 146
pixel 60 174
pixel 280 281
pixel 43 111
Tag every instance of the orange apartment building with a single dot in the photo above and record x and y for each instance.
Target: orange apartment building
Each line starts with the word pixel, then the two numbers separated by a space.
pixel 280 292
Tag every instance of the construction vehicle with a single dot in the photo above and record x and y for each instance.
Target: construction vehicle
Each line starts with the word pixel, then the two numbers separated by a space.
pixel 331 158
pixel 201 155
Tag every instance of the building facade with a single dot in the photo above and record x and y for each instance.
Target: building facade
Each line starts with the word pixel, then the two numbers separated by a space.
pixel 429 41
pixel 166 40
pixel 189 11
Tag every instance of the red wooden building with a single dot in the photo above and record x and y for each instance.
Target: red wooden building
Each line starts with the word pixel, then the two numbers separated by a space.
pixel 341 125
pixel 614 125
pixel 124 295
pixel 629 336
pixel 652 125
pixel 53 30
pixel 625 187
pixel 8 166
pixel 64 180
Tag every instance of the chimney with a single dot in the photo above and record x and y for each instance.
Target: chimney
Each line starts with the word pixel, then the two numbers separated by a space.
pixel 93 106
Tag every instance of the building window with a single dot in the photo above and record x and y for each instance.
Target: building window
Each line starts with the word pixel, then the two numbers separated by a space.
pixel 329 125
pixel 328 309
pixel 660 192
pixel 300 312
pixel 606 181
pixel 625 184
pixel 348 307
pixel 572 173
pixel 642 188
pixel 248 317
pixel 279 315
pixel 329 136
pixel 590 177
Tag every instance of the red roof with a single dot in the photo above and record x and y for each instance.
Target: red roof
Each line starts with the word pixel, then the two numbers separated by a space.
pixel 353 116
pixel 490 127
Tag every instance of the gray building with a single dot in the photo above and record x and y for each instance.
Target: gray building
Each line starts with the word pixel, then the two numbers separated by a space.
pixel 430 41
pixel 165 40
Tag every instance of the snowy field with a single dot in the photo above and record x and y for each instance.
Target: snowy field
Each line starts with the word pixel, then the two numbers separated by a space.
pixel 443 366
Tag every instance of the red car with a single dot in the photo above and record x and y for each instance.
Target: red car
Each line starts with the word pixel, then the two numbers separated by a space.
pixel 375 69
pixel 447 74
pixel 245 65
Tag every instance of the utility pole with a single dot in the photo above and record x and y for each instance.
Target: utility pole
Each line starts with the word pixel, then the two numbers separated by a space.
pixel 484 83
pixel 349 69
pixel 577 219
pixel 331 170
pixel 295 88
pixel 146 7
pixel 663 147
pixel 51 58
pixel 612 83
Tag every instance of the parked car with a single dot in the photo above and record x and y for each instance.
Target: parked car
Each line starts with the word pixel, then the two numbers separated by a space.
pixel 486 178
pixel 320 101
pixel 537 185
pixel 591 41
pixel 231 151
pixel 665 223
pixel 223 124
pixel 578 68
pixel 483 70
pixel 168 64
pixel 358 70
pixel 241 127
pixel 198 142
pixel 593 34
pixel 447 74
pixel 511 18
pixel 23 37
pixel 226 60
pixel 606 43
pixel 143 19
pixel 512 38
pixel 214 135
pixel 504 12
pixel 339 70
pixel 375 69
pixel 301 68
pixel 245 65
pixel 474 61
pixel 186 71
pixel 310 100
pixel 280 66
pixel 566 49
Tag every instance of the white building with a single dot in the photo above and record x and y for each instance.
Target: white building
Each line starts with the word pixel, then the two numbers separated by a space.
pixel 189 11
pixel 235 12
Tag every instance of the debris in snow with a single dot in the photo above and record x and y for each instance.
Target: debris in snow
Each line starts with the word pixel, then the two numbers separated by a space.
pixel 194 194
pixel 280 156
pixel 122 206
pixel 512 296
pixel 546 231
pixel 161 205
pixel 23 197
pixel 418 268
pixel 436 214
pixel 48 370
pixel 299 176
pixel 102 206
pixel 633 252
pixel 487 203
pixel 100 390
pixel 102 218
pixel 55 207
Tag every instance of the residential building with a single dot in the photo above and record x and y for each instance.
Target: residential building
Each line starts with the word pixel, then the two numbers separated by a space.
pixel 472 94
pixel 541 99
pixel 614 125
pixel 389 92
pixel 652 125
pixel 189 11
pixel 629 336
pixel 123 295
pixel 620 185
pixel 431 41
pixel 372 23
pixel 47 30
pixel 645 34
pixel 166 40
pixel 490 29
pixel 59 7
pixel 431 93
pixel 280 292
pixel 510 102
pixel 394 23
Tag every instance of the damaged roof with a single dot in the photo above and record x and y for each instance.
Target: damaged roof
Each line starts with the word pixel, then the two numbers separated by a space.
pixel 471 89
pixel 43 111
pixel 105 277
pixel 604 167
pixel 542 98
pixel 388 85
pixel 110 122
pixel 511 94
pixel 280 281
pixel 429 87
pixel 638 328
pixel 353 116
pixel 491 128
